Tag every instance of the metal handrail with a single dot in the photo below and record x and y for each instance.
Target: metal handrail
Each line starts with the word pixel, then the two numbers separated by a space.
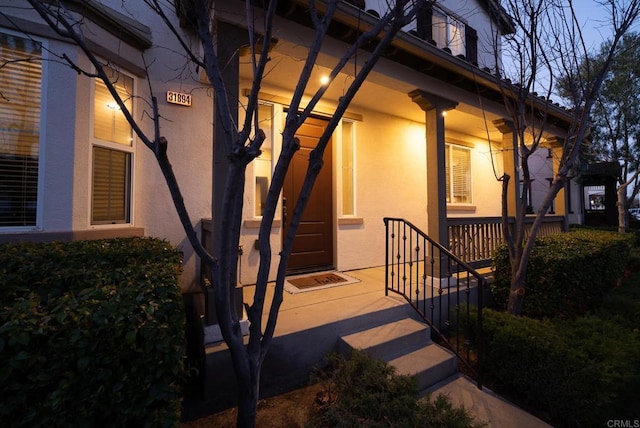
pixel 439 286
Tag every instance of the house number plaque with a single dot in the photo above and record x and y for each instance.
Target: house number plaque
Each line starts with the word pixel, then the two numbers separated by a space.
pixel 179 98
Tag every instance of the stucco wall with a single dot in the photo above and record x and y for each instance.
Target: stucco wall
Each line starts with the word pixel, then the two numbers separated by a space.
pixel 65 172
pixel 471 13
pixel 390 174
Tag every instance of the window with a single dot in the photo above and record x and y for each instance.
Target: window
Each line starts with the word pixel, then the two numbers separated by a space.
pixel 348 187
pixel 594 198
pixel 262 164
pixel 458 171
pixel 112 152
pixel 447 31
pixel 20 94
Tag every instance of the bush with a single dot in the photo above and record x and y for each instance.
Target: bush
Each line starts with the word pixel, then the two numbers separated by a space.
pixel 91 333
pixel 568 274
pixel 363 391
pixel 622 304
pixel 578 371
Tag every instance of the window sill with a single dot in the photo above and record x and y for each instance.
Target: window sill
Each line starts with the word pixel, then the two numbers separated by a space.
pixel 345 221
pixel 465 208
pixel 255 224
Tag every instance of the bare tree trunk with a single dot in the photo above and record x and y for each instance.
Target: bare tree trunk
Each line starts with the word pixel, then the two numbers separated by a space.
pixel 622 204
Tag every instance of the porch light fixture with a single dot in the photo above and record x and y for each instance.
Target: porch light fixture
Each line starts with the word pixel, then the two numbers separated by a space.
pixel 113 106
pixel 324 80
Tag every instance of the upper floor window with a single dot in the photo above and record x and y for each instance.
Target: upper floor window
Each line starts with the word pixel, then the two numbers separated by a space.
pixel 447 31
pixel 20 95
pixel 112 152
pixel 458 171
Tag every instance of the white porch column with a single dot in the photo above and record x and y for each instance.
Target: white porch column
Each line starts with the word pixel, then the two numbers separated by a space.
pixel 434 108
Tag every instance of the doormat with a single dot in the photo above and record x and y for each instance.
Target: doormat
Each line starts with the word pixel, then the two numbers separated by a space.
pixel 317 281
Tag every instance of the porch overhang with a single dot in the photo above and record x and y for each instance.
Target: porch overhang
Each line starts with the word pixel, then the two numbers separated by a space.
pixel 420 55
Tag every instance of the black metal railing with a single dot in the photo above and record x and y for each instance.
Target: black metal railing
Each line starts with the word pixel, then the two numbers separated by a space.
pixel 475 239
pixel 442 288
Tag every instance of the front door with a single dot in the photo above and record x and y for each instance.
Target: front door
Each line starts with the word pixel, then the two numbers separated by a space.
pixel 313 244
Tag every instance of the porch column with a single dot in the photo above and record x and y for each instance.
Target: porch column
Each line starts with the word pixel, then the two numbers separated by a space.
pixel 511 163
pixel 230 39
pixel 556 144
pixel 435 108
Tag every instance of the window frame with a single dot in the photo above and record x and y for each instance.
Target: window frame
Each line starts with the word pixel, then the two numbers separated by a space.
pixel 352 171
pixel 450 175
pixel 39 215
pixel 271 138
pixel 130 150
pixel 425 30
pixel 450 36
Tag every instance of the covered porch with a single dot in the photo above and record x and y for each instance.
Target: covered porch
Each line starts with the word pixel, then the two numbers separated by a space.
pixel 313 323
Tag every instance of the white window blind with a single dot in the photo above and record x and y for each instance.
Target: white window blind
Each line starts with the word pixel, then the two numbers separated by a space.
pixel 20 92
pixel 458 172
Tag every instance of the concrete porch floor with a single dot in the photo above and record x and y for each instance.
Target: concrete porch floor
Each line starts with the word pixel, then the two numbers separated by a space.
pixel 309 326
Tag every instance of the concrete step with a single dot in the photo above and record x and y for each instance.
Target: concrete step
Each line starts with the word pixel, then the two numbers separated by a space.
pixel 405 344
pixel 484 405
pixel 429 364
pixel 388 340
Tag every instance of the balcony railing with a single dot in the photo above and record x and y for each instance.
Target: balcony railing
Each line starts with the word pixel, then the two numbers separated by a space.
pixel 474 239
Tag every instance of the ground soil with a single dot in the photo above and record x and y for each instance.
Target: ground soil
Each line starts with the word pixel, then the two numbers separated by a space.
pixel 290 410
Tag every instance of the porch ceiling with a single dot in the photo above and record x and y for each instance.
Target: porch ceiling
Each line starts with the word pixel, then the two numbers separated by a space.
pixel 380 93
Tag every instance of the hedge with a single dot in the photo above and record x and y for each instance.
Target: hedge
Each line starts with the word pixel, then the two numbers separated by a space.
pixel 568 273
pixel 578 371
pixel 91 334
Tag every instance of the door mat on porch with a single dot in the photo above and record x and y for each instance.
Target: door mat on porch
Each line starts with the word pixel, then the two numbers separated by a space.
pixel 317 281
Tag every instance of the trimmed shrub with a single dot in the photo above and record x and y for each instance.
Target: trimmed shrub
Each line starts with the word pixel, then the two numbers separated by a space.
pixel 91 334
pixel 363 391
pixel 578 371
pixel 568 273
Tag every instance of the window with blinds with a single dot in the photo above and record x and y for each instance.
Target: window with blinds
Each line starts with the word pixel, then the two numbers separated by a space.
pixel 111 178
pixel 112 152
pixel 20 92
pixel 458 172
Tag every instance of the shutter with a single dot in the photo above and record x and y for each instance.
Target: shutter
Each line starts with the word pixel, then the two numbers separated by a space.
pixel 110 198
pixel 423 23
pixel 20 92
pixel 471 43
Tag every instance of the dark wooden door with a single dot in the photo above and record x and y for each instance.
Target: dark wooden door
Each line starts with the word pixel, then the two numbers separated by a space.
pixel 313 244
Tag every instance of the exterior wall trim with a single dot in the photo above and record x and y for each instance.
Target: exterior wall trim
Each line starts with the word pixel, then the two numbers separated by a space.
pixel 68 236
